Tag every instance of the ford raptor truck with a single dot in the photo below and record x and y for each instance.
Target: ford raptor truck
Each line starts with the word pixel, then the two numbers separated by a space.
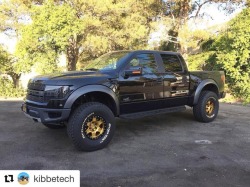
pixel 124 84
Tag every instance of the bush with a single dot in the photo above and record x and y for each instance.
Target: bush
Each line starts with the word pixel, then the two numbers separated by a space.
pixel 8 90
pixel 195 62
pixel 229 51
pixel 233 54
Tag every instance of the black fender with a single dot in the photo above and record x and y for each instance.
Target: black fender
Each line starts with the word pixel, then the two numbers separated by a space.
pixel 201 85
pixel 91 88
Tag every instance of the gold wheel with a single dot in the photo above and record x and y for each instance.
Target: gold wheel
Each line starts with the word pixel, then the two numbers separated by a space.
pixel 94 127
pixel 210 107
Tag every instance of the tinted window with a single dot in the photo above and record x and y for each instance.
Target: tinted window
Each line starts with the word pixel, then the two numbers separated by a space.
pixel 171 63
pixel 107 61
pixel 146 61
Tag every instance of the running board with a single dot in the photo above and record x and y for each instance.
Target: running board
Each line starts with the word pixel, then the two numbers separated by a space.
pixel 152 112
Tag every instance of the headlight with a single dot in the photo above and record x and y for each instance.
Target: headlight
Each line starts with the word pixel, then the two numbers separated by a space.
pixel 56 92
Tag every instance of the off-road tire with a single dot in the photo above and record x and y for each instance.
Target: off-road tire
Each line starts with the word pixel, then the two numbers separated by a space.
pixel 54 126
pixel 199 110
pixel 80 118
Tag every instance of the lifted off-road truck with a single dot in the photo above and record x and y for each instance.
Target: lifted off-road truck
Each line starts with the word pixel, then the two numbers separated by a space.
pixel 125 84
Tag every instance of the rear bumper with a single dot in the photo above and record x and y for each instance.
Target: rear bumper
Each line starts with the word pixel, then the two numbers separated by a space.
pixel 45 115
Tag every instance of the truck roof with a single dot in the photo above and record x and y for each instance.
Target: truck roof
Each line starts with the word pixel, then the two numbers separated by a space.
pixel 152 51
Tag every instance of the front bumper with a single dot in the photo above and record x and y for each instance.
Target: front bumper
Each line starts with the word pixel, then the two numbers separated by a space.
pixel 45 115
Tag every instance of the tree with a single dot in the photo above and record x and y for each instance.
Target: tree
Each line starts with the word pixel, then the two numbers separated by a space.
pixel 54 29
pixel 181 11
pixel 13 16
pixel 230 51
pixel 123 25
pixel 233 54
pixel 8 66
pixel 86 29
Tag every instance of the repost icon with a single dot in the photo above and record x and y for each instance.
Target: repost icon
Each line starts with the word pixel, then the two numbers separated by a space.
pixel 23 178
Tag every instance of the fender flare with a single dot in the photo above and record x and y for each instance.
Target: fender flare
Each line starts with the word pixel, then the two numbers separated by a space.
pixel 91 88
pixel 201 85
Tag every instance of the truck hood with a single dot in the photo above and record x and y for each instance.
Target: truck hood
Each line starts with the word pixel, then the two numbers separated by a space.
pixel 74 78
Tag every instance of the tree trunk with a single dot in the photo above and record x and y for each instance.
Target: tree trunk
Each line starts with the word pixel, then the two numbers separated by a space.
pixel 16 79
pixel 184 17
pixel 72 54
pixel 72 58
pixel 184 11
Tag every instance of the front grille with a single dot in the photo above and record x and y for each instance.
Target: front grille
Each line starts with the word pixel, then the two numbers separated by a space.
pixel 34 95
pixel 36 86
pixel 35 92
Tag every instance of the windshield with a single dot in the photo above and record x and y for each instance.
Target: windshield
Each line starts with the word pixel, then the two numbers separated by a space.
pixel 109 61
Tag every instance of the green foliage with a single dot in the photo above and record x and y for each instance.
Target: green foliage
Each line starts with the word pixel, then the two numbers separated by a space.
pixel 180 11
pixel 7 62
pixel 196 62
pixel 8 90
pixel 191 39
pixel 233 54
pixel 47 37
pixel 230 51
pixel 13 14
pixel 4 60
pixel 8 66
pixel 116 25
pixel 84 30
pixel 207 59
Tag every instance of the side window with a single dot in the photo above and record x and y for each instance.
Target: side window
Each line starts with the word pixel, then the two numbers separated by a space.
pixel 171 63
pixel 146 61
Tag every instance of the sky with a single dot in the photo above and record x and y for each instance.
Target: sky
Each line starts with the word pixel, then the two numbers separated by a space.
pixel 10 43
pixel 216 16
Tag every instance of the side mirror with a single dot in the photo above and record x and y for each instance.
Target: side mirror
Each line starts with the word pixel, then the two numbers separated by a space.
pixel 133 71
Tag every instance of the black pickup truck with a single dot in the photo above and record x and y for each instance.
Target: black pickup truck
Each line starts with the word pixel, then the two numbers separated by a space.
pixel 125 84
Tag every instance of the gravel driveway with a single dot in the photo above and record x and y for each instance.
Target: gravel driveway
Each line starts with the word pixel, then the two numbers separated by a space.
pixel 167 150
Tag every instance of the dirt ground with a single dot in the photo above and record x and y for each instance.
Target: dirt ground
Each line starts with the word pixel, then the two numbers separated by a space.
pixel 166 150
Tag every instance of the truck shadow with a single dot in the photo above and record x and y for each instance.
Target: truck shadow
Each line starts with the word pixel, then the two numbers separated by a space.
pixel 131 128
pixel 39 137
pixel 167 120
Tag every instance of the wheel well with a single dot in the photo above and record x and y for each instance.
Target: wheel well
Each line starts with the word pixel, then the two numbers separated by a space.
pixel 101 97
pixel 211 87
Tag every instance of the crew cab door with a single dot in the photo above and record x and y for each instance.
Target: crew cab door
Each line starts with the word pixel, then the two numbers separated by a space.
pixel 140 83
pixel 175 79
